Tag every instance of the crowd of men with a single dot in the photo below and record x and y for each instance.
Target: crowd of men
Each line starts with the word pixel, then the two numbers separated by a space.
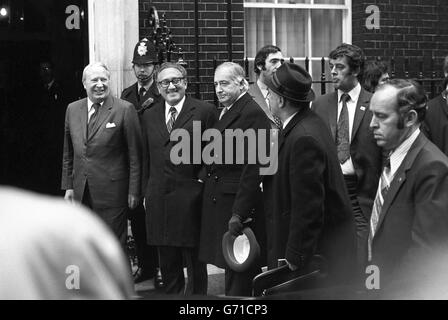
pixel 358 179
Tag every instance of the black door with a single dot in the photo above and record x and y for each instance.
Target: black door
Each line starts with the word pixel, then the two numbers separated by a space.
pixel 43 49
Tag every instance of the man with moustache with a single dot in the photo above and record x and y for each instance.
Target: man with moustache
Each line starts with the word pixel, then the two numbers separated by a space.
pixel 102 152
pixel 312 213
pixel 232 191
pixel 173 192
pixel 409 220
pixel 346 113
pixel 143 94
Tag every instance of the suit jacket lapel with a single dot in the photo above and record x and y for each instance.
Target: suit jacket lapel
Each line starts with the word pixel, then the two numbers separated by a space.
pixel 360 111
pixel 83 118
pixel 160 121
pixel 333 113
pixel 400 176
pixel 233 114
pixel 185 114
pixel 104 112
pixel 257 95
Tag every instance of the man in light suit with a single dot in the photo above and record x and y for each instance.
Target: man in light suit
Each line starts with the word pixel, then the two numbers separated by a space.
pixel 143 94
pixel 409 219
pixel 267 60
pixel 232 192
pixel 312 213
pixel 173 193
pixel 102 152
pixel 346 113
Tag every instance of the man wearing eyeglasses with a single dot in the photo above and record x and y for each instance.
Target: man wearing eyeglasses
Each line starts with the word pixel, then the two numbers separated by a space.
pixel 173 192
pixel 142 94
pixel 436 119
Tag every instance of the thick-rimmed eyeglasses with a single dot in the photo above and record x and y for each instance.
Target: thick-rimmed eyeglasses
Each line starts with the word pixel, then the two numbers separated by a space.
pixel 174 81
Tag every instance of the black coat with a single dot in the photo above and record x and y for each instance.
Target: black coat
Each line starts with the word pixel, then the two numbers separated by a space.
pixel 365 154
pixel 436 123
pixel 173 194
pixel 231 188
pixel 131 94
pixel 312 213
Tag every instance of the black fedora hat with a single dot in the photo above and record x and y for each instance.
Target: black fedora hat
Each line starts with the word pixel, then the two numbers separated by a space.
pixel 240 252
pixel 145 52
pixel 292 82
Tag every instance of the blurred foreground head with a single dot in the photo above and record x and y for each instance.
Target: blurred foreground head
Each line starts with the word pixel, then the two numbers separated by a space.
pixel 52 250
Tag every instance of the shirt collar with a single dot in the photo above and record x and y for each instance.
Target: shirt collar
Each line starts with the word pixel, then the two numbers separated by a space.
pixel 90 104
pixel 177 106
pixel 140 86
pixel 397 156
pixel 285 123
pixel 354 93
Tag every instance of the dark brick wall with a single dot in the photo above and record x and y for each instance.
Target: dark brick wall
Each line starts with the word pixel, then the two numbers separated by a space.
pixel 413 29
pixel 213 35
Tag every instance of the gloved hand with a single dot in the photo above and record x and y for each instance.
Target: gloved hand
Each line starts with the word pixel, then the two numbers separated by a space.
pixel 235 225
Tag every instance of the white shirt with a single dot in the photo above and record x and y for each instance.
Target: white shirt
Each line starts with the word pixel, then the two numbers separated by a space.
pixel 347 166
pixel 90 110
pixel 139 86
pixel 177 106
pixel 285 123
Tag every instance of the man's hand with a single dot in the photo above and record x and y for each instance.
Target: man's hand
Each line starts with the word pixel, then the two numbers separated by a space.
pixel 69 195
pixel 132 201
pixel 235 225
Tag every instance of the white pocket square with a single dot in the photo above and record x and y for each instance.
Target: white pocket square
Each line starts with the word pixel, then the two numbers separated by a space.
pixel 110 125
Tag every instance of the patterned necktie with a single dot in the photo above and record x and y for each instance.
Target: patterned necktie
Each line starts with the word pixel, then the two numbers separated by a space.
pixel 172 119
pixel 223 112
pixel 93 117
pixel 378 203
pixel 342 133
pixel 141 94
pixel 278 122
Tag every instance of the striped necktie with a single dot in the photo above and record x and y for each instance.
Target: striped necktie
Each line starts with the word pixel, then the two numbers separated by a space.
pixel 378 204
pixel 172 119
pixel 223 112
pixel 93 117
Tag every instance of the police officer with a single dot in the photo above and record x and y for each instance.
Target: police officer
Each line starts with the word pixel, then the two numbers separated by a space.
pixel 143 94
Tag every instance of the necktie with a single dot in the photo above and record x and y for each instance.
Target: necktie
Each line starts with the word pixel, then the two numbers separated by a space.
pixel 93 117
pixel 378 203
pixel 223 112
pixel 141 94
pixel 342 133
pixel 172 119
pixel 278 122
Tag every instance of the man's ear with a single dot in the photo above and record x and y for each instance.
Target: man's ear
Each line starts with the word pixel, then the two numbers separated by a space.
pixel 411 118
pixel 281 102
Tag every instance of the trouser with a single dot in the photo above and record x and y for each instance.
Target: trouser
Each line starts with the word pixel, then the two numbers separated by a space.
pixel 115 218
pixel 147 255
pixel 362 224
pixel 240 283
pixel 172 260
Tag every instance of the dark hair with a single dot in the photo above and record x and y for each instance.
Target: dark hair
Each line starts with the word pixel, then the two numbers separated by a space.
pixel 410 96
pixel 355 57
pixel 262 54
pixel 373 70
